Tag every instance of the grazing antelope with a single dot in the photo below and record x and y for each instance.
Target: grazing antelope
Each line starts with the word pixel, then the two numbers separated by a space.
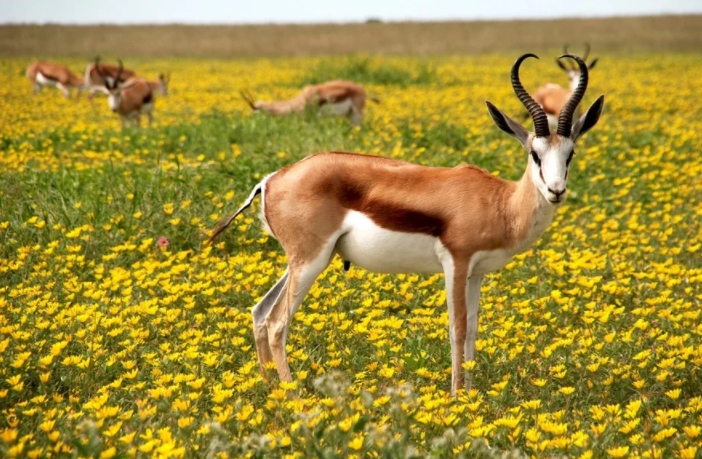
pixel 130 99
pixel 553 97
pixel 391 216
pixel 337 98
pixel 53 75
pixel 97 76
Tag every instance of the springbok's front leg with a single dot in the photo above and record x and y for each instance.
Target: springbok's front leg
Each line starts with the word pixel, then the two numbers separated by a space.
pixel 455 273
pixel 472 300
pixel 64 90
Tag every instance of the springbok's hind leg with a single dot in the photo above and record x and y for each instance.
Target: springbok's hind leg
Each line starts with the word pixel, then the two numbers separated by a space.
pixel 302 274
pixel 259 313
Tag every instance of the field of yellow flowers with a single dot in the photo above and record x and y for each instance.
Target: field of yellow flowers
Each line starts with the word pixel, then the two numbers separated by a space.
pixel 121 336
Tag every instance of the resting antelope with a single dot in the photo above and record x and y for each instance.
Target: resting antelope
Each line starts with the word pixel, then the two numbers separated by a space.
pixel 338 98
pixel 391 216
pixel 97 76
pixel 130 99
pixel 53 75
pixel 553 97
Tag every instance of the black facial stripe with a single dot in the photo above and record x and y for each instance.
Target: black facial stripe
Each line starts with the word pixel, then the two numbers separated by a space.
pixel 570 157
pixel 536 158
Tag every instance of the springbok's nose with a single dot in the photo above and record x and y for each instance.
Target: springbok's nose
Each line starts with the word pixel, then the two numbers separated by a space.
pixel 558 193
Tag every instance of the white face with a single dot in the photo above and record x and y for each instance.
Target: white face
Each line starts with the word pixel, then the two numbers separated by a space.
pixel 114 99
pixel 549 166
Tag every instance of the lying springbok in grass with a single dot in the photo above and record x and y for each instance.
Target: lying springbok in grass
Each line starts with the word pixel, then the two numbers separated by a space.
pixel 130 99
pixel 53 75
pixel 553 97
pixel 390 216
pixel 97 76
pixel 337 98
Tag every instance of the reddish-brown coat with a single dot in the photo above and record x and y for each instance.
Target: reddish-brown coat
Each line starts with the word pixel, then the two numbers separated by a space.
pixel 57 72
pixel 304 208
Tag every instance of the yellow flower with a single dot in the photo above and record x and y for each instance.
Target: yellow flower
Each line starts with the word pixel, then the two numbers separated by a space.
pixel 618 452
pixel 357 443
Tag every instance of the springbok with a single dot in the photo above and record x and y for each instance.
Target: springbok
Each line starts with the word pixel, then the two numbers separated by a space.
pixel 129 99
pixel 553 97
pixel 97 76
pixel 53 75
pixel 391 216
pixel 337 98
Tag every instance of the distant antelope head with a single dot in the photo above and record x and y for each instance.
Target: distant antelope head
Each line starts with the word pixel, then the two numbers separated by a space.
pixel 573 71
pixel 112 85
pixel 161 84
pixel 249 99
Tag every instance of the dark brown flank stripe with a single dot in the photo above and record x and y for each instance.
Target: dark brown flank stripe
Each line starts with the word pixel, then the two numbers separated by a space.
pixel 391 217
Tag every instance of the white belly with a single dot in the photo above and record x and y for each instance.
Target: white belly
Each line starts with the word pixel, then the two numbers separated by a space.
pixel 44 81
pixel 341 108
pixel 380 250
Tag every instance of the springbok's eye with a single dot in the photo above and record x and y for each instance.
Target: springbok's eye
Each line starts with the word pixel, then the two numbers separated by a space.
pixel 536 159
pixel 570 157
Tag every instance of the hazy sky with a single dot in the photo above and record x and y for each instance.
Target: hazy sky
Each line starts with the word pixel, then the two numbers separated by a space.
pixel 291 11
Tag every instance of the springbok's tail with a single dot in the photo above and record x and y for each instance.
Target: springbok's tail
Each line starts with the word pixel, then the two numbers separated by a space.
pixel 225 222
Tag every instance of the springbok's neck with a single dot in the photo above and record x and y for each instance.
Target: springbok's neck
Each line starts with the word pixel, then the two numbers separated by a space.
pixel 528 210
pixel 279 108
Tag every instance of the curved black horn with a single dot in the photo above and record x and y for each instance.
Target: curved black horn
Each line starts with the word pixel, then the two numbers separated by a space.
pixel 119 72
pixel 565 118
pixel 100 74
pixel 248 99
pixel 536 112
pixel 570 65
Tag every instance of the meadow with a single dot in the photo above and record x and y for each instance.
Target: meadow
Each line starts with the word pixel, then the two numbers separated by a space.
pixel 122 336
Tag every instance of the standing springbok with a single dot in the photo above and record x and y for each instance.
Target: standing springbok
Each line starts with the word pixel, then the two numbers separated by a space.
pixel 390 216
pixel 97 76
pixel 129 99
pixel 53 75
pixel 337 98
pixel 552 97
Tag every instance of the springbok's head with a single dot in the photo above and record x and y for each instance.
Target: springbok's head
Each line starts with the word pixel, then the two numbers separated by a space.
pixel 112 84
pixel 248 97
pixel 573 71
pixel 163 80
pixel 549 153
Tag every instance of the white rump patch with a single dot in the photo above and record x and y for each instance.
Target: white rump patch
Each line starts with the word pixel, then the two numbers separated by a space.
pixel 44 81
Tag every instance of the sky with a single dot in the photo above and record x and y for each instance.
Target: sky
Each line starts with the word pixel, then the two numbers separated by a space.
pixel 315 11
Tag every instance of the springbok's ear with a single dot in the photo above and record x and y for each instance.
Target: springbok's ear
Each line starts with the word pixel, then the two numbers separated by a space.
pixel 507 124
pixel 588 120
pixel 562 66
pixel 593 63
